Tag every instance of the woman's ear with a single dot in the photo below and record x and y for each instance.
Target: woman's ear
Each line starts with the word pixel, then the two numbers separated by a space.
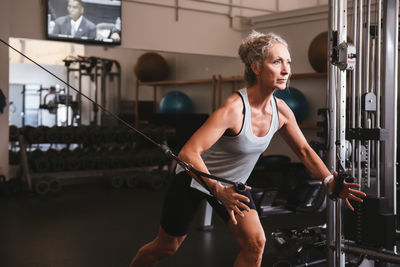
pixel 255 68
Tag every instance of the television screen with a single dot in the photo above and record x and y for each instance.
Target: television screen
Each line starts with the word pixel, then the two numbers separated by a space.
pixel 88 21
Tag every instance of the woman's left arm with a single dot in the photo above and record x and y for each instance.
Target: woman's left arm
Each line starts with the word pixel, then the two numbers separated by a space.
pixel 293 136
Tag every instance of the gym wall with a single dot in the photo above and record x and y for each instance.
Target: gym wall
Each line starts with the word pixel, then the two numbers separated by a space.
pixel 4 33
pixel 182 66
pixel 144 27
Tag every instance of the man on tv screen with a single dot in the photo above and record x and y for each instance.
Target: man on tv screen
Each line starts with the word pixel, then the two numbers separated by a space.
pixel 75 24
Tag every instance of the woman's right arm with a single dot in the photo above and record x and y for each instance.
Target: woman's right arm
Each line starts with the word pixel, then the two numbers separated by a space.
pixel 228 116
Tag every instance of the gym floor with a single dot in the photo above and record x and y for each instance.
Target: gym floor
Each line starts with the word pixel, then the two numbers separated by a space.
pixel 93 225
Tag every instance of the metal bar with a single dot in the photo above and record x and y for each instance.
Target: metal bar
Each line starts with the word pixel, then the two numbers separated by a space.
pixel 207 217
pixel 359 82
pixel 137 103
pixel 119 86
pixel 368 171
pixel 367 48
pixel 389 100
pixel 154 98
pixel 387 256
pixel 79 97
pixel 68 73
pixel 198 81
pixel 367 89
pixel 341 90
pixel 25 165
pixel 331 209
pixel 233 5
pixel 353 85
pixel 378 51
pixel 103 90
pixel 342 37
pixel 372 114
pixel 180 8
pixel 96 97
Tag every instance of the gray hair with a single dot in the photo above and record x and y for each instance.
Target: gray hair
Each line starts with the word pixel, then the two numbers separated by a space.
pixel 254 49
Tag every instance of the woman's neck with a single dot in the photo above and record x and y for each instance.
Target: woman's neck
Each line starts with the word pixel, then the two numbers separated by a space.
pixel 259 97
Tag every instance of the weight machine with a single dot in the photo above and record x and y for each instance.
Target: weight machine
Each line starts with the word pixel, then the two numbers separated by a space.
pixel 362 100
pixel 103 74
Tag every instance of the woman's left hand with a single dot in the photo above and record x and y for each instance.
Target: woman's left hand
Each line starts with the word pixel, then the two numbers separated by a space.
pixel 348 191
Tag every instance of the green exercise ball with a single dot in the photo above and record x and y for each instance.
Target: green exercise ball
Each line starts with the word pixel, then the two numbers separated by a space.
pixel 151 67
pixel 318 52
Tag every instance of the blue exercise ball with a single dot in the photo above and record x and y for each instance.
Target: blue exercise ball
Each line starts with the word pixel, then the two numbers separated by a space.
pixel 177 103
pixel 296 101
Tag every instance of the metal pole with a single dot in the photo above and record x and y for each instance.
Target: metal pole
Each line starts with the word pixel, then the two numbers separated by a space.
pixel 367 89
pixel 96 92
pixel 378 49
pixel 367 47
pixel 359 82
pixel 207 217
pixel 103 90
pixel 387 256
pixel 389 100
pixel 331 209
pixel 68 73
pixel 137 102
pixel 79 97
pixel 341 131
pixel 119 87
pixel 353 85
pixel 200 10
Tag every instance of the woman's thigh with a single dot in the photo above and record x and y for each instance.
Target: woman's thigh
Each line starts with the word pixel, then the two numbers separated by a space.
pixel 180 205
pixel 248 229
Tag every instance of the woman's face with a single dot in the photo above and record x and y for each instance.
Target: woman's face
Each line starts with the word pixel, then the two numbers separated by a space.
pixel 276 67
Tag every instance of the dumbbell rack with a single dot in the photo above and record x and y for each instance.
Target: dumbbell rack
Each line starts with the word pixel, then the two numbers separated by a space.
pixel 150 174
pixel 43 183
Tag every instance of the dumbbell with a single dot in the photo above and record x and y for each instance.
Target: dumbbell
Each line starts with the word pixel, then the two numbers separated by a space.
pixel 116 181
pixel 47 184
pixel 132 180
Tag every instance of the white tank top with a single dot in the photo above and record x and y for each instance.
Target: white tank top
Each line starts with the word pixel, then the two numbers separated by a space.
pixel 234 157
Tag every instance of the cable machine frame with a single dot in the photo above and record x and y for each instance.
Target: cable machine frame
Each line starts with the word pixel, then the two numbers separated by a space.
pixel 96 69
pixel 376 129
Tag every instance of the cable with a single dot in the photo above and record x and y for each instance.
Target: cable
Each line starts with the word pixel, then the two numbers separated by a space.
pixel 239 187
pixel 82 94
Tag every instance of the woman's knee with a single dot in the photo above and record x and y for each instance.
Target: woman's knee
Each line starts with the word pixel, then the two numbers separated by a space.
pixel 164 251
pixel 167 245
pixel 254 244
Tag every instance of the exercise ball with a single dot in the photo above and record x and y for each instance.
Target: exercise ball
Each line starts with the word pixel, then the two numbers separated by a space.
pixel 151 67
pixel 176 102
pixel 318 52
pixel 295 100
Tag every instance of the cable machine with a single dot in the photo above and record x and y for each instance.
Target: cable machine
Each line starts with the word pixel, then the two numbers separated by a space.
pixel 362 99
pixel 103 74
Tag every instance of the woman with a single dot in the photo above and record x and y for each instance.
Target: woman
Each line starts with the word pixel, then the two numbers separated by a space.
pixel 228 146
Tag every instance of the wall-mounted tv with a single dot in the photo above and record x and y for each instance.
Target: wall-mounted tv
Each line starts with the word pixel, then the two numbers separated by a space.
pixel 85 21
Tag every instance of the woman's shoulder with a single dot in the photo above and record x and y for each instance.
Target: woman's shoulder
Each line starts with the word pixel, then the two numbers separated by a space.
pixel 233 103
pixel 285 113
pixel 232 108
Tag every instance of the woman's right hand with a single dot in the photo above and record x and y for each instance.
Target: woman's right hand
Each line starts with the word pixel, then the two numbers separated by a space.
pixel 233 201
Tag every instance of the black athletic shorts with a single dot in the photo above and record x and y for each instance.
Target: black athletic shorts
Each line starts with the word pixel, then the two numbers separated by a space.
pixel 182 202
